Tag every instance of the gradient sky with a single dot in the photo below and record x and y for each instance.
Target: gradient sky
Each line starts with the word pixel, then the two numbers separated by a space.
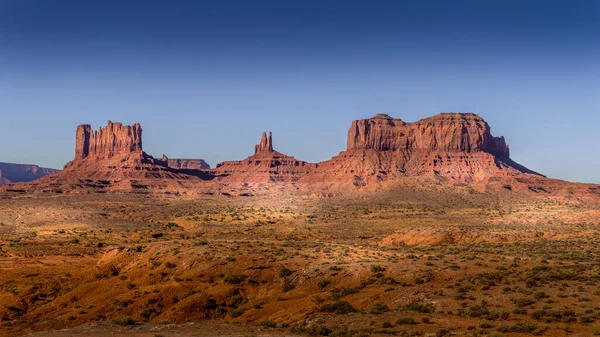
pixel 205 78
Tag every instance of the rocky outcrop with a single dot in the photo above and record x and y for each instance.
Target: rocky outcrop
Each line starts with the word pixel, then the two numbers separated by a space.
pixel 106 142
pixel 186 164
pixel 265 165
pixel 22 172
pixel 447 132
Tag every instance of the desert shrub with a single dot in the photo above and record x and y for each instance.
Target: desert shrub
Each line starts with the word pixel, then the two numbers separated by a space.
pixel 312 330
pixel 337 308
pixel 283 272
pixel 349 291
pixel 537 315
pixel 442 332
pixel 148 313
pixel 287 286
pixel 236 301
pixel 323 283
pixel 379 308
pixel 486 325
pixel 519 327
pixel 220 312
pixel 367 281
pixel 376 269
pixel 235 279
pixel 123 321
pixel 268 323
pixel 501 314
pixel 387 280
pixel 405 320
pixel 122 303
pixel 588 318
pixel 539 295
pixel 519 311
pixel 478 311
pixel 236 312
pixel 487 279
pixel 523 302
pixel 419 306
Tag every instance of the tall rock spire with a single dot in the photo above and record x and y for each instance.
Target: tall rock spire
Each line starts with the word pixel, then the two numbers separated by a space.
pixel 266 144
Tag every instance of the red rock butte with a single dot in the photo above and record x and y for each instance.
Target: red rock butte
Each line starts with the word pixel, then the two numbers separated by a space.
pixel 115 138
pixel 446 132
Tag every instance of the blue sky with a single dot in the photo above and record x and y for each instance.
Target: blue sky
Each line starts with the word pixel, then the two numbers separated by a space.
pixel 205 78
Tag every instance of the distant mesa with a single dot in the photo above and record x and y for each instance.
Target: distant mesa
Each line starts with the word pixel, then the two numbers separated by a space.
pixel 186 164
pixel 21 172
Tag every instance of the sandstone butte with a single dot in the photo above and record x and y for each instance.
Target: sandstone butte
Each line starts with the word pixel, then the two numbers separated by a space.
pixel 451 148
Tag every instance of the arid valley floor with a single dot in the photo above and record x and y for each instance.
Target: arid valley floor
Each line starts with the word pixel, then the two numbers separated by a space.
pixel 302 265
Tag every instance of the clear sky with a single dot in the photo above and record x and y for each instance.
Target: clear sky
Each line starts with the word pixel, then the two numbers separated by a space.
pixel 205 78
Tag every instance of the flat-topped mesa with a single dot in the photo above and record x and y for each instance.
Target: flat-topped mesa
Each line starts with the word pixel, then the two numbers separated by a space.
pixel 445 132
pixel 186 163
pixel 23 172
pixel 265 146
pixel 106 142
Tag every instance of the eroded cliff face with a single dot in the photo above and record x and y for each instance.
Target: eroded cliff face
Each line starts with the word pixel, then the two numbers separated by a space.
pixel 447 132
pixel 106 142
